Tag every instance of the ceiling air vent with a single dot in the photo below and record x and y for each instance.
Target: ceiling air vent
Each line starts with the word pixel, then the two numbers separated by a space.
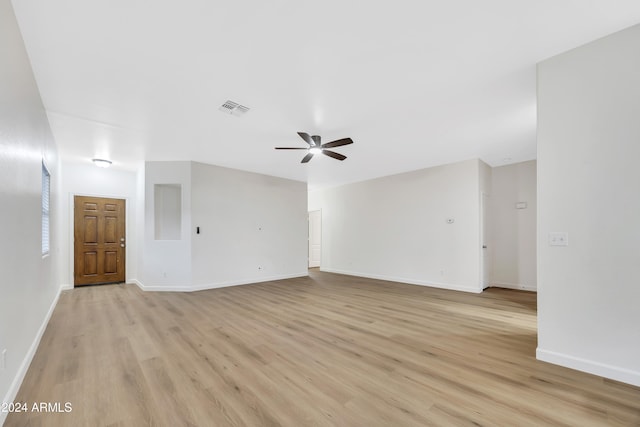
pixel 233 108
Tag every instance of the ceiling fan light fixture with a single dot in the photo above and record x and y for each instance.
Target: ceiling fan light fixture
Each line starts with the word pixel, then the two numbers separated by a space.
pixel 317 147
pixel 101 163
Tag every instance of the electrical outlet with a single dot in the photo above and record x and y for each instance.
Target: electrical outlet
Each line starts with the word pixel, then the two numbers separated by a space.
pixel 558 238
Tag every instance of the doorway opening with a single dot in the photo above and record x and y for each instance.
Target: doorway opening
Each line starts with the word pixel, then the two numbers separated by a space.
pixel 315 238
pixel 485 250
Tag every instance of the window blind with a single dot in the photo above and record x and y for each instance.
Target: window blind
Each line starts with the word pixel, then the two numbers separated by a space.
pixel 46 197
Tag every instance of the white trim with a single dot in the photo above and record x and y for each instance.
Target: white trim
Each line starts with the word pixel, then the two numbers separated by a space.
pixel 513 286
pixel 137 283
pixel 449 286
pixel 66 287
pixel 203 287
pixel 26 362
pixel 601 369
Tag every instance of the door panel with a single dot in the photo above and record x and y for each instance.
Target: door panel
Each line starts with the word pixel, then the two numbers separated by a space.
pixel 110 229
pixel 99 237
pixel 110 262
pixel 90 266
pixel 90 224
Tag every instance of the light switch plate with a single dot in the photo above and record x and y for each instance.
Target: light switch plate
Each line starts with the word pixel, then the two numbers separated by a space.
pixel 558 238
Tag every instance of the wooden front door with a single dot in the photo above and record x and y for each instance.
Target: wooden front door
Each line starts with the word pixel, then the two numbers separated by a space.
pixel 99 240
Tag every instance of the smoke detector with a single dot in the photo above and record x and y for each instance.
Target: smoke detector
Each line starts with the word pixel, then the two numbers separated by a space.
pixel 233 108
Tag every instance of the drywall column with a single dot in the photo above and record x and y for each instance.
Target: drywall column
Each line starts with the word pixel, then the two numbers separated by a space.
pixel 588 186
pixel 166 263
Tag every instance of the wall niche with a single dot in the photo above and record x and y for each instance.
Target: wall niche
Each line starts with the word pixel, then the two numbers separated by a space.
pixel 168 211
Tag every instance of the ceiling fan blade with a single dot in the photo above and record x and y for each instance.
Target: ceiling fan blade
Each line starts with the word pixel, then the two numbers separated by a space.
pixel 316 140
pixel 334 154
pixel 338 143
pixel 306 138
pixel 291 148
pixel 306 158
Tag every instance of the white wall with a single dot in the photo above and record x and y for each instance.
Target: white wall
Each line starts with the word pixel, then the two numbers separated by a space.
pixel 28 285
pixel 514 230
pixel 395 227
pixel 253 227
pixel 85 179
pixel 588 186
pixel 485 182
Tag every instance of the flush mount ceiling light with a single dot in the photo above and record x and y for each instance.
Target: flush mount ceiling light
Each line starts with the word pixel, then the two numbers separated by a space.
pixel 101 163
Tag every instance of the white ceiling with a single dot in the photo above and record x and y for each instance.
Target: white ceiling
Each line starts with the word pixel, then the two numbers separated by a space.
pixel 414 83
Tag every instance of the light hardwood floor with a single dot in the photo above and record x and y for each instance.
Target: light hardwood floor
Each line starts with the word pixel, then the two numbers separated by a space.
pixel 327 350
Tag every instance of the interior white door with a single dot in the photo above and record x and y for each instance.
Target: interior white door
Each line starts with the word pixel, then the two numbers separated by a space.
pixel 315 238
pixel 485 250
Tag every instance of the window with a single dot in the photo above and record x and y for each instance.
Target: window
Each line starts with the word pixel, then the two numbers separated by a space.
pixel 46 193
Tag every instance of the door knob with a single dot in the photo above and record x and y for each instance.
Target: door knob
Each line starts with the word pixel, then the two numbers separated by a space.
pixel 122 245
pixel 122 239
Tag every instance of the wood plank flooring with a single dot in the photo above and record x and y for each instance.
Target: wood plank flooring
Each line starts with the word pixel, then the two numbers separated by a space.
pixel 328 350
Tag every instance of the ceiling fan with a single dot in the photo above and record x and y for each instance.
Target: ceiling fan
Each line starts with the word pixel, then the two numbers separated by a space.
pixel 316 147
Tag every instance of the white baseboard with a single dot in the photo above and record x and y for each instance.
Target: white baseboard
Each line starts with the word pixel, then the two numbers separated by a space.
pixel 449 286
pixel 205 286
pixel 137 283
pixel 513 286
pixel 26 362
pixel 601 369
pixel 66 287
pixel 157 288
